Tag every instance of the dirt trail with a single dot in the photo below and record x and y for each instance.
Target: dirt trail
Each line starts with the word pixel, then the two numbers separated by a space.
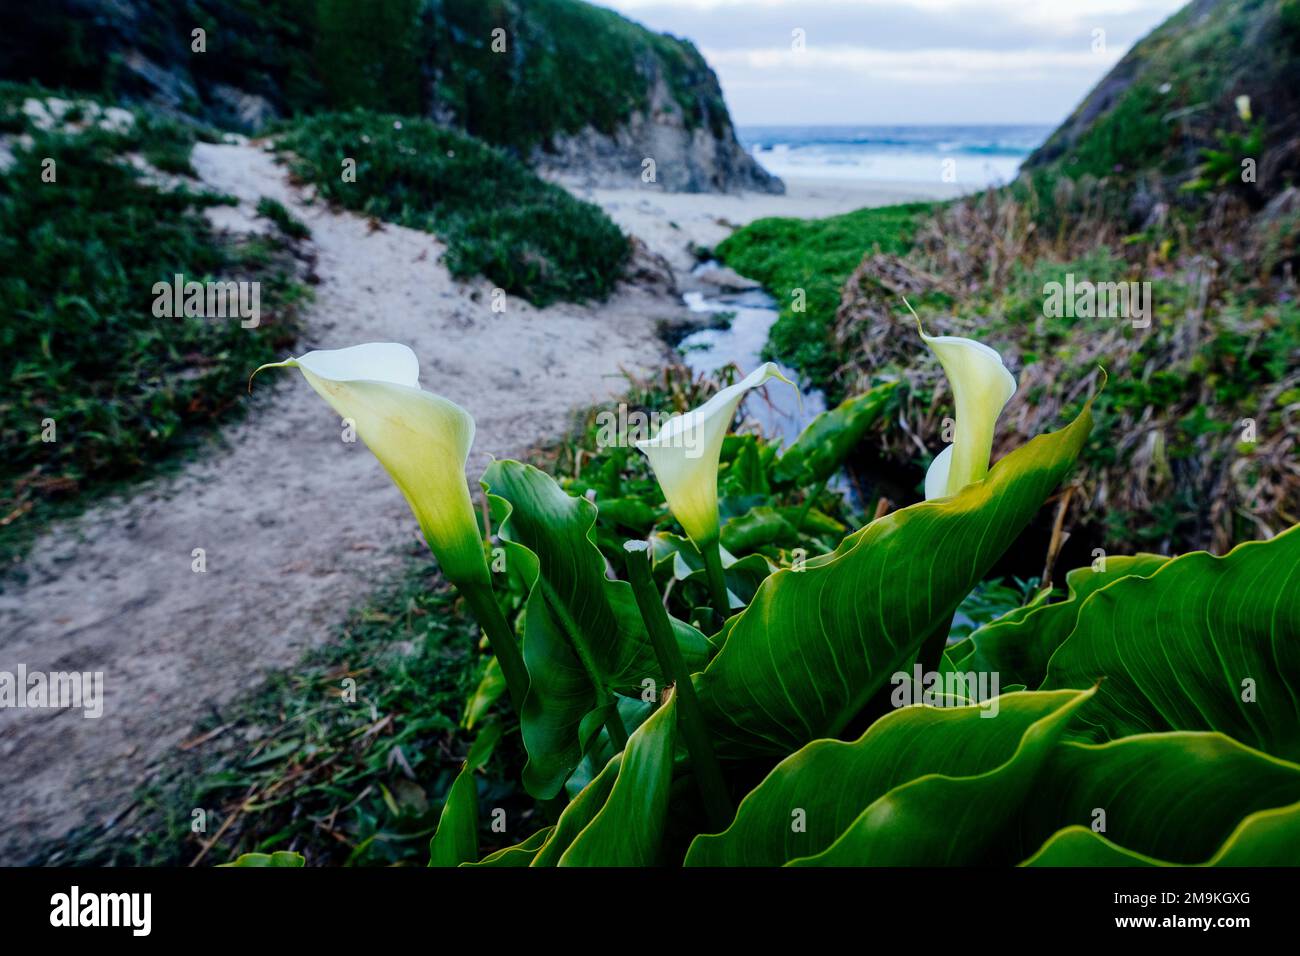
pixel 297 525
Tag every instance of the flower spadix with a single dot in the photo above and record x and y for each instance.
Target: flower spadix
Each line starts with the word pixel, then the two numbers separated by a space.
pixel 684 455
pixel 421 439
pixel 981 387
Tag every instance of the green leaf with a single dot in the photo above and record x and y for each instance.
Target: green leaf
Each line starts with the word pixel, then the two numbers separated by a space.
pixel 1018 645
pixel 279 858
pixel 521 854
pixel 489 691
pixel 813 796
pixel 1265 838
pixel 1173 796
pixel 628 829
pixel 684 563
pixel 580 811
pixel 456 839
pixel 945 821
pixel 584 640
pixel 758 527
pixel 817 643
pixel 1178 650
pixel 822 447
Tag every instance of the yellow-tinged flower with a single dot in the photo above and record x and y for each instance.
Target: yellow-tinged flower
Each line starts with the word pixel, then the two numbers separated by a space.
pixel 421 439
pixel 981 388
pixel 684 456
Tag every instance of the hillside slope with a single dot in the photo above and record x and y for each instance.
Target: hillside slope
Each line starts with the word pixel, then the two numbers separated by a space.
pixel 567 85
pixel 1176 94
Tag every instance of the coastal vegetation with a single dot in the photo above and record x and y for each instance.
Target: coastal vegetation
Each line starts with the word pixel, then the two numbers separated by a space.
pixel 1176 178
pixel 100 391
pixel 529 237
pixel 805 262
pixel 723 725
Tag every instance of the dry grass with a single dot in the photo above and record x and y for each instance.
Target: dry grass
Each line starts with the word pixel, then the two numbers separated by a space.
pixel 1222 347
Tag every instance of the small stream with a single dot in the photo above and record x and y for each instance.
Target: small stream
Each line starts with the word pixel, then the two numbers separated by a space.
pixel 779 413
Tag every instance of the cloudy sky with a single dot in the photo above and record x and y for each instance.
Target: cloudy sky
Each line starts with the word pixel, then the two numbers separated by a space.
pixel 905 61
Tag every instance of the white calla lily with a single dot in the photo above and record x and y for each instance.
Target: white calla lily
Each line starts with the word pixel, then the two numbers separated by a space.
pixel 684 456
pixel 981 387
pixel 421 439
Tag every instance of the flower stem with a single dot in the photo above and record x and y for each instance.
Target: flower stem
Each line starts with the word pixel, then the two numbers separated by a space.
pixel 502 639
pixel 690 718
pixel 614 725
pixel 930 657
pixel 813 494
pixel 712 555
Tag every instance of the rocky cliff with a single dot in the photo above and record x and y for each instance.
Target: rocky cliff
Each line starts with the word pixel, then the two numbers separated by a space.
pixel 571 87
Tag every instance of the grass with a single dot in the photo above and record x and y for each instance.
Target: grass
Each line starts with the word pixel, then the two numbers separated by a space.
pixel 529 237
pixel 101 391
pixel 1166 468
pixel 284 220
pixel 814 256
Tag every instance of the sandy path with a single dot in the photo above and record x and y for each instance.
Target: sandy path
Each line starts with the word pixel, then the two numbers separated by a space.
pixel 297 525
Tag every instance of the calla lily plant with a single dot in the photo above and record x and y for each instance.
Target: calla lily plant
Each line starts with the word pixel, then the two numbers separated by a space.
pixel 684 456
pixel 981 387
pixel 423 441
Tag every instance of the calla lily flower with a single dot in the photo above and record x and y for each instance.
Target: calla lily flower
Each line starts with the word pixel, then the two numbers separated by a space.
pixel 421 439
pixel 981 387
pixel 684 456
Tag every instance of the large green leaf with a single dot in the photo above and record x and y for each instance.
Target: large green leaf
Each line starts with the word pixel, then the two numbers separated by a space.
pixel 628 829
pixel 580 811
pixel 1181 649
pixel 584 641
pixel 813 796
pixel 939 820
pixel 456 839
pixel 1172 796
pixel 1265 838
pixel 817 643
pixel 822 447
pixel 1175 796
pixel 1018 645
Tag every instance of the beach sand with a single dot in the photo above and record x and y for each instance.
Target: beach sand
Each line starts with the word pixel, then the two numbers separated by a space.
pixel 670 222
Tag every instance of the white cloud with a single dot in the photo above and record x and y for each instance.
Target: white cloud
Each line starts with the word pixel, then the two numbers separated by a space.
pixel 937 65
pixel 895 61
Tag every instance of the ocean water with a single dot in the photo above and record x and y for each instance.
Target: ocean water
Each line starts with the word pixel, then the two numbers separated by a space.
pixel 969 156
